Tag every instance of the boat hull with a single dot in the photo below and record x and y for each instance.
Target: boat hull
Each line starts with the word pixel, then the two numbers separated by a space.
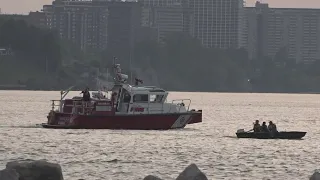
pixel 265 135
pixel 138 122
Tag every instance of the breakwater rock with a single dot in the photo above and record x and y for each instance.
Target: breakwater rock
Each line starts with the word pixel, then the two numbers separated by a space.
pixel 315 175
pixel 43 170
pixel 31 170
pixel 192 172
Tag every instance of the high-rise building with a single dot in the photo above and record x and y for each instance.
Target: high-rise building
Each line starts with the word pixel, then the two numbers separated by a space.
pixel 37 19
pixel 269 30
pixel 218 23
pixel 49 12
pixel 256 30
pixel 167 20
pixel 96 24
pixel 81 22
pixel 124 25
pixel 166 17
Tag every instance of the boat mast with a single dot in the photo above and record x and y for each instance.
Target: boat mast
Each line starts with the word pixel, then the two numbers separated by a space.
pixel 131 52
pixel 98 84
pixel 130 66
pixel 107 85
pixel 46 64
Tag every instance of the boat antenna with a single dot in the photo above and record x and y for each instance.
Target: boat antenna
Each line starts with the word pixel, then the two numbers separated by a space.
pixel 98 84
pixel 114 60
pixel 114 66
pixel 106 88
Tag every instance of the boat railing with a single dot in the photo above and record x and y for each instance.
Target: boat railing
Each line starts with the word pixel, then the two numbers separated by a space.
pixel 181 103
pixel 57 105
pixel 156 109
pixel 81 107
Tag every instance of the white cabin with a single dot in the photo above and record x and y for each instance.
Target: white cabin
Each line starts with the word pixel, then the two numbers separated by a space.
pixel 144 100
pixel 129 99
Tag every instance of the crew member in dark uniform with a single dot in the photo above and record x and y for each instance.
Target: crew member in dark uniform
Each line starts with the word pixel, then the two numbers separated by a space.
pixel 86 94
pixel 86 99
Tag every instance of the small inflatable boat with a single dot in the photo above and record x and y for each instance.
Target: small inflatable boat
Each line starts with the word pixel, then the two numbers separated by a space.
pixel 265 135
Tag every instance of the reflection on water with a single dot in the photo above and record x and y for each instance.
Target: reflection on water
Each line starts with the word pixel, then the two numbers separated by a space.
pixel 212 145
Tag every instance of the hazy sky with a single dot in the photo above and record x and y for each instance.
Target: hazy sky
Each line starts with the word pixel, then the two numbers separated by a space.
pixel 25 6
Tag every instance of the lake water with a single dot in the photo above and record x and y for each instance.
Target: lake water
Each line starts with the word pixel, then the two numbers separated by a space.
pixel 212 145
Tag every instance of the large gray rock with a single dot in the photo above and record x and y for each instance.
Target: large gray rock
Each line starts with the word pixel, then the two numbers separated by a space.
pixel 152 178
pixel 9 175
pixel 192 172
pixel 315 176
pixel 36 170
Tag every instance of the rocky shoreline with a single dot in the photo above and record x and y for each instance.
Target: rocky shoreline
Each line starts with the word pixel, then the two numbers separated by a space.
pixel 43 170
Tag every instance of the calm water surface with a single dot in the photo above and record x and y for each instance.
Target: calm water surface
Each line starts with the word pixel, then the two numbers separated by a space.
pixel 212 145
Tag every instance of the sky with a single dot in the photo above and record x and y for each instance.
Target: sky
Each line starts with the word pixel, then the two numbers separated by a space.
pixel 25 6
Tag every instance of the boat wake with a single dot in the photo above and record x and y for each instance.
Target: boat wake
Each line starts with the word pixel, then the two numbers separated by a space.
pixel 21 126
pixel 233 137
pixel 181 129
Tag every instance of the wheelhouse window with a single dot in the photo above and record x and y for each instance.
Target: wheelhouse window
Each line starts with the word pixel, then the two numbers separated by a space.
pixel 126 98
pixel 142 98
pixel 153 98
pixel 156 98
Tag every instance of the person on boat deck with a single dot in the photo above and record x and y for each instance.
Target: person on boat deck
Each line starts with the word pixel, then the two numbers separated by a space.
pixel 86 94
pixel 264 127
pixel 272 127
pixel 256 126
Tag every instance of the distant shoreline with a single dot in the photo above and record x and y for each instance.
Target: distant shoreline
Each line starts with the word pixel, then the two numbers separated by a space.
pixel 24 88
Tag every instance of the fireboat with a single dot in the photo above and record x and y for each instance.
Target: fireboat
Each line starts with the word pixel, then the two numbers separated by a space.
pixel 130 107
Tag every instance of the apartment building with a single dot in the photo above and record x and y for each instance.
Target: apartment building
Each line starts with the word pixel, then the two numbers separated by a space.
pixel 48 10
pixel 37 19
pixel 166 17
pixel 96 24
pixel 81 22
pixel 124 25
pixel 101 24
pixel 167 20
pixel 270 29
pixel 218 23
pixel 149 6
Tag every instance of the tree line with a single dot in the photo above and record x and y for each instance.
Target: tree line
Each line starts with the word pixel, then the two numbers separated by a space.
pixel 183 59
pixel 181 63
pixel 41 59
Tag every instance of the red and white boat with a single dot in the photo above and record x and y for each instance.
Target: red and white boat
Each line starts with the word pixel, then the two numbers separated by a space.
pixel 130 107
